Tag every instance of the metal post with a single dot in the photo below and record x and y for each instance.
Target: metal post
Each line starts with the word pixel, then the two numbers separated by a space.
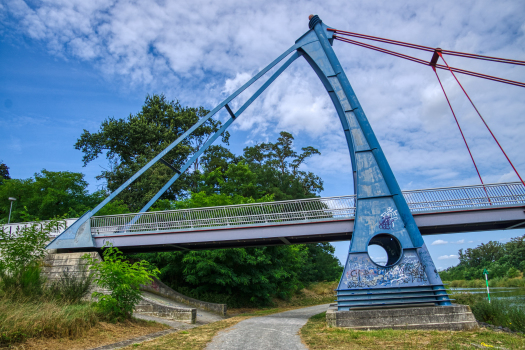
pixel 11 199
pixel 487 281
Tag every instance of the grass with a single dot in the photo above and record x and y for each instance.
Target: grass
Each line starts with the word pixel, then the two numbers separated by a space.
pixel 22 320
pixel 315 294
pixel 102 333
pixel 193 339
pixel 508 313
pixel 317 335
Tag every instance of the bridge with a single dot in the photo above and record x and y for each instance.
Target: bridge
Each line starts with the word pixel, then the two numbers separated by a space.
pixel 436 211
pixel 379 214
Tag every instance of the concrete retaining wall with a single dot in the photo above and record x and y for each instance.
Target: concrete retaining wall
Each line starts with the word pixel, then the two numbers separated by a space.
pixel 160 288
pixel 73 264
pixel 152 308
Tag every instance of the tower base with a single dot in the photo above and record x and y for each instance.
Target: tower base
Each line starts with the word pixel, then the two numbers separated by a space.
pixel 451 317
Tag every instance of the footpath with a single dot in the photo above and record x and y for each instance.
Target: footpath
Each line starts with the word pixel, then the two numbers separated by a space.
pixel 277 331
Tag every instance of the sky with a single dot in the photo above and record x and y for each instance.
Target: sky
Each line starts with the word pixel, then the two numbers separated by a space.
pixel 67 65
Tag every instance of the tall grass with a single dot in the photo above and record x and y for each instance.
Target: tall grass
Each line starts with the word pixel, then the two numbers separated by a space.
pixel 505 312
pixel 31 308
pixel 22 319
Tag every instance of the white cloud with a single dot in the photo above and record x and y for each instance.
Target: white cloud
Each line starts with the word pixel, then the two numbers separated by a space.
pixel 439 242
pixel 200 51
pixel 461 241
pixel 446 257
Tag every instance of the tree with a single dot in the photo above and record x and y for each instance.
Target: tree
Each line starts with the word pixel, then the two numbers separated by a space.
pixel 130 143
pixel 501 260
pixel 51 194
pixel 277 168
pixel 4 172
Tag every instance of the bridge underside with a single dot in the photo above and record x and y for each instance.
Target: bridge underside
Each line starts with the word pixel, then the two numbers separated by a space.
pixel 483 219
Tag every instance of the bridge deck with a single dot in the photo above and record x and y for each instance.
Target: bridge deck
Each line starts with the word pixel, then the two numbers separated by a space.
pixel 440 210
pixel 436 211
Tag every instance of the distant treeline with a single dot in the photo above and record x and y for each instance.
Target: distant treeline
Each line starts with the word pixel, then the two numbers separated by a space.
pixel 502 260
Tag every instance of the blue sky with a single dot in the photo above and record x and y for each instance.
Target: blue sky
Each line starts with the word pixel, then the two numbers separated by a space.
pixel 65 66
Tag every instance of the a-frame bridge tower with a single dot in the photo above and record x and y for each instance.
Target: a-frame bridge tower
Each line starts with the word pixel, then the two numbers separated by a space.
pixel 382 215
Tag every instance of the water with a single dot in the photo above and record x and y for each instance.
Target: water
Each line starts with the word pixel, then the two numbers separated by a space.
pixel 509 293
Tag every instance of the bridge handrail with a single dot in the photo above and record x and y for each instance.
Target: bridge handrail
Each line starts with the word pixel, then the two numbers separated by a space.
pixel 336 207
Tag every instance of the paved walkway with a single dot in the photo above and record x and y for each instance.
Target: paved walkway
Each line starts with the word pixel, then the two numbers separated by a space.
pixel 277 331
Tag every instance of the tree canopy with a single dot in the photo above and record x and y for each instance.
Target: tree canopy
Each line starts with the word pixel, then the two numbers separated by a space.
pixel 4 172
pixel 500 259
pixel 130 143
pixel 51 194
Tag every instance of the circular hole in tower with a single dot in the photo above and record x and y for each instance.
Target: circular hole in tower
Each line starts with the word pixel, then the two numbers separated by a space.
pixel 384 250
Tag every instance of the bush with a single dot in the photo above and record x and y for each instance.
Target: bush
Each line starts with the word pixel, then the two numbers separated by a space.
pixel 25 248
pixel 123 279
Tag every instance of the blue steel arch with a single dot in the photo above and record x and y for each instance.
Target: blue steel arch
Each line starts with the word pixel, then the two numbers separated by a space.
pixel 380 204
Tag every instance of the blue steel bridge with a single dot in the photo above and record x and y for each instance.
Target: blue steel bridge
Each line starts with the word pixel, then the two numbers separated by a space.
pixel 379 213
pixel 436 211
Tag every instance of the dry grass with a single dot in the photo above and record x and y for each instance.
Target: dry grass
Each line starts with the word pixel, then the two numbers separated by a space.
pixel 101 334
pixel 316 294
pixel 193 339
pixel 317 335
pixel 21 320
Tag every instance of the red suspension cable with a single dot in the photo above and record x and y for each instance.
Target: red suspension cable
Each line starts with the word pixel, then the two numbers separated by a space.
pixel 426 48
pixel 420 61
pixel 484 122
pixel 459 127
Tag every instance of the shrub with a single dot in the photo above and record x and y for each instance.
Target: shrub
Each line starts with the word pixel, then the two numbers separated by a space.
pixel 70 288
pixel 26 247
pixel 122 279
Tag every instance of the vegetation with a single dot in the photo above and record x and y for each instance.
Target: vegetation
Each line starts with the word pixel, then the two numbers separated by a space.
pixel 502 261
pixel 29 307
pixel 51 194
pixel 4 172
pixel 317 335
pixel 130 143
pixel 264 172
pixel 122 279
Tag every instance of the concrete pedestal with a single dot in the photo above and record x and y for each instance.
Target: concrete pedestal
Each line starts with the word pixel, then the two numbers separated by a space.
pixel 454 317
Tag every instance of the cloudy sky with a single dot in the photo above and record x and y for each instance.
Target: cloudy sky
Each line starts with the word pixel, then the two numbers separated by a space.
pixel 66 65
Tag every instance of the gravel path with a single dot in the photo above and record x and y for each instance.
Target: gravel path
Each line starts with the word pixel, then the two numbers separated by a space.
pixel 277 331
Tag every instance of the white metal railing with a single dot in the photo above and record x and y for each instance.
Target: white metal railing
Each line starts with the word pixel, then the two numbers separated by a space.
pixel 312 209
pixel 14 228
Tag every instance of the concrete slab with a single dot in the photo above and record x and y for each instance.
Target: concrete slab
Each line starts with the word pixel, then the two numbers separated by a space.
pixel 454 317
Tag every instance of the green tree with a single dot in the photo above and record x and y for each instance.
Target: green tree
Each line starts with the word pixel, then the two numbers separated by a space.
pixel 122 279
pixel 4 172
pixel 130 143
pixel 51 194
pixel 501 260
pixel 277 168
